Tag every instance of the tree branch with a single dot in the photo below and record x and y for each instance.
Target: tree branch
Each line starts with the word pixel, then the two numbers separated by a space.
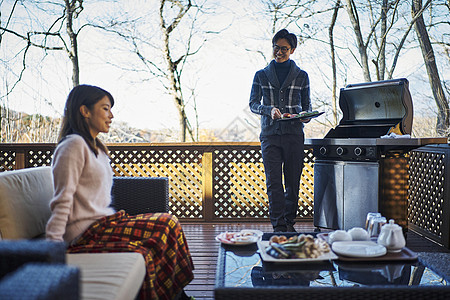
pixel 400 45
pixel 30 34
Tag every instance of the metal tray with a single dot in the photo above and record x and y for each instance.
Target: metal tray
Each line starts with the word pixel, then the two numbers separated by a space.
pixel 405 254
pixel 311 116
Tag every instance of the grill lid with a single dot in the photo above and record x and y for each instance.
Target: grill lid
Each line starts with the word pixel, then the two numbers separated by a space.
pixel 374 109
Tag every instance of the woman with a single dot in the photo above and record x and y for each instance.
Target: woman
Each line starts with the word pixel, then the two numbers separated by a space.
pixel 283 88
pixel 81 212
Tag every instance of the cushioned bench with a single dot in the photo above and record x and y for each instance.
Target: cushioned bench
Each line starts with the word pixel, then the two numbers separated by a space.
pixel 111 275
pixel 24 211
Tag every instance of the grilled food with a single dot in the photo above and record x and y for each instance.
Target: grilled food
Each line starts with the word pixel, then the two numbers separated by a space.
pixel 301 246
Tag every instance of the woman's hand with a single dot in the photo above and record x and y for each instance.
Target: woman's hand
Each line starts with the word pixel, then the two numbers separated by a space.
pixel 275 113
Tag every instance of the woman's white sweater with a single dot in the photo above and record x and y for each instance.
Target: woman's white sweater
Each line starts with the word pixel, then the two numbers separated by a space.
pixel 82 183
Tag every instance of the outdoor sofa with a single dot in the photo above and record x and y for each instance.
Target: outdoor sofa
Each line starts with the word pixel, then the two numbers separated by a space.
pixel 33 268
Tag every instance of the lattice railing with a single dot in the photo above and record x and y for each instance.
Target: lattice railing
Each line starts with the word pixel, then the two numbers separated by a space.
pixel 428 204
pixel 207 181
pixel 182 165
pixel 239 184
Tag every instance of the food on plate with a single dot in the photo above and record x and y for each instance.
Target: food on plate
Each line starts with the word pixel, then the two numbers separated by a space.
pixel 339 235
pixel 246 232
pixel 303 114
pixel 359 234
pixel 288 115
pixel 301 246
pixel 308 113
pixel 280 239
pixel 241 237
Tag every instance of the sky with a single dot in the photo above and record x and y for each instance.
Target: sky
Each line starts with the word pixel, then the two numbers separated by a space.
pixel 222 75
pixel 221 72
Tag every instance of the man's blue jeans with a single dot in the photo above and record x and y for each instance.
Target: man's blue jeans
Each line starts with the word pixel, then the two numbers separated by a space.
pixel 283 159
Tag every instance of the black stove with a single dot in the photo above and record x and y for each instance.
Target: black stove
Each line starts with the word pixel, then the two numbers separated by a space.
pixel 359 167
pixel 370 111
pixel 366 149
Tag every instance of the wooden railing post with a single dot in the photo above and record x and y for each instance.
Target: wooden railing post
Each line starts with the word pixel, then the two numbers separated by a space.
pixel 207 186
pixel 20 159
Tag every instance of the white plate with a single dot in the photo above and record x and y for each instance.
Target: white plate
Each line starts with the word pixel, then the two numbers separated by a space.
pixel 243 237
pixel 263 245
pixel 358 249
pixel 258 233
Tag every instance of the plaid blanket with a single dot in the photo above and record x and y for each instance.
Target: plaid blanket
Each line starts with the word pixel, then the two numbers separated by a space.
pixel 158 237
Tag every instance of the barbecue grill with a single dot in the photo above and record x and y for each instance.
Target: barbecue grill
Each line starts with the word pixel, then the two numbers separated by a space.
pixel 356 171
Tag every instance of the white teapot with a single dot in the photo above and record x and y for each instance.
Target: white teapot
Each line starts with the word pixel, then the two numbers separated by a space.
pixel 391 236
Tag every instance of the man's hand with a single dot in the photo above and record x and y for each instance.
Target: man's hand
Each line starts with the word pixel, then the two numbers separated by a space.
pixel 275 113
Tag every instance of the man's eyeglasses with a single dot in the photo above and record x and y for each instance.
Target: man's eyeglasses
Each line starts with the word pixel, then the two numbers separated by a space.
pixel 283 49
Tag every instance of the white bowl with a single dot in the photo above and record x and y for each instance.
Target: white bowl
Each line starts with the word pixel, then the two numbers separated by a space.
pixel 339 235
pixel 359 234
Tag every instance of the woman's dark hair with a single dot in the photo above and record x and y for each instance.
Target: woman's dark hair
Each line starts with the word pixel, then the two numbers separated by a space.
pixel 284 34
pixel 74 122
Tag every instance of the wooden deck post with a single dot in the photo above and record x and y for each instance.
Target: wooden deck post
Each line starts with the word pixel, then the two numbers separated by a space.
pixel 20 159
pixel 207 186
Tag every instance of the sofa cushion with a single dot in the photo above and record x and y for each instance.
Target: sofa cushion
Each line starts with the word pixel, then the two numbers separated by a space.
pixel 41 281
pixel 16 253
pixel 109 275
pixel 24 202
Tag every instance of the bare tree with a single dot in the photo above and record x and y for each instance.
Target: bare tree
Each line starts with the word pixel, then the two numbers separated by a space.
pixel 175 65
pixel 380 31
pixel 71 11
pixel 362 46
pixel 286 12
pixel 440 21
pixel 333 61
pixel 53 37
pixel 173 37
pixel 438 29
pixel 442 125
pixel 51 27
pixel 381 62
pixel 165 55
pixel 384 18
pixel 13 124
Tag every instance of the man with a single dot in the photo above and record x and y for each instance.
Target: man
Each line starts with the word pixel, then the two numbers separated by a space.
pixel 278 89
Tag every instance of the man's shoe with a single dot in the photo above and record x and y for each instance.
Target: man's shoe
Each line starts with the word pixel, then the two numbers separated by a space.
pixel 290 228
pixel 279 229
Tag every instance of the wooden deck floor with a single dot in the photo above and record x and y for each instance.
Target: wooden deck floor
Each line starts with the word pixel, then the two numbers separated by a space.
pixel 204 249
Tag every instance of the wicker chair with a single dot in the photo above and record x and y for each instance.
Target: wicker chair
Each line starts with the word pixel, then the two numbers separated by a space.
pixel 42 281
pixel 33 268
pixel 138 195
pixel 36 269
